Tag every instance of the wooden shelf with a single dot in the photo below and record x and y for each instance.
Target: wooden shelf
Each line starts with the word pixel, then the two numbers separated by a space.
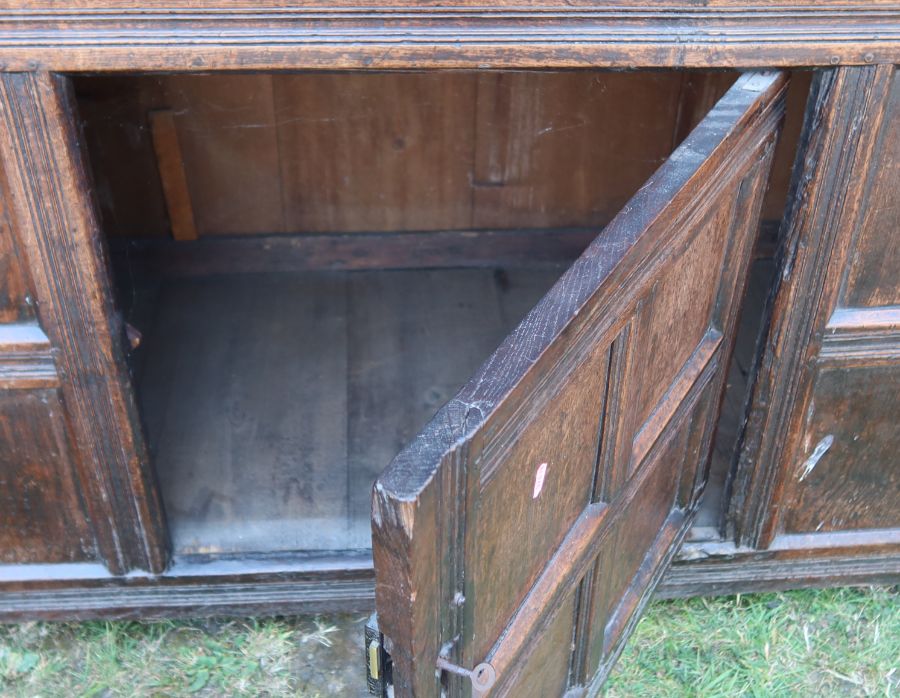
pixel 272 401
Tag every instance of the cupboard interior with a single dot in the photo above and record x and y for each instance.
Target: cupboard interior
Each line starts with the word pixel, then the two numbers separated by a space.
pixel 310 264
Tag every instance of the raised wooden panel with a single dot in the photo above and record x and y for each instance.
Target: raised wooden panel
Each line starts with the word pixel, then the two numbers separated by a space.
pixel 536 478
pixel 675 316
pixel 874 268
pixel 847 473
pixel 502 517
pixel 547 673
pixel 639 524
pixel 42 517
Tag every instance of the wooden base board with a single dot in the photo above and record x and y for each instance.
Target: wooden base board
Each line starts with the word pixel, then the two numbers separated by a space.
pixel 354 251
pixel 744 572
pixel 193 586
pixel 202 587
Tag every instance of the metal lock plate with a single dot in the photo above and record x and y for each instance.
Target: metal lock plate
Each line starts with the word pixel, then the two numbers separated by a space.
pixel 378 661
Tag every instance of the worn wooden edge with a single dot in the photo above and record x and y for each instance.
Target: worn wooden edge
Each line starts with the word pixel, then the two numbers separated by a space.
pixel 26 358
pixel 843 119
pixel 885 317
pixel 208 599
pixel 407 490
pixel 193 586
pixel 100 35
pixel 864 335
pixel 705 359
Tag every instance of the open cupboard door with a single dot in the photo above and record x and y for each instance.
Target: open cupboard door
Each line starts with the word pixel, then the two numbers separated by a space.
pixel 518 537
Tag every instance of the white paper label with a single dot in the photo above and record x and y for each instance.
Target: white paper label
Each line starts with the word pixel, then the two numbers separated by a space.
pixel 539 480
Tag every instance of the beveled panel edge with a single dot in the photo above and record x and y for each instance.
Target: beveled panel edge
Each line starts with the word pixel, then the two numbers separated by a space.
pixel 26 358
pixel 697 370
pixel 862 334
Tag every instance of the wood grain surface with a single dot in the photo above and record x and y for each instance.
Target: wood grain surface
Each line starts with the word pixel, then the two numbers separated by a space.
pixel 471 515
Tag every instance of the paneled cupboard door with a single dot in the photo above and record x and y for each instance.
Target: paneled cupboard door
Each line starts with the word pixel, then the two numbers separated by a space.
pixel 819 462
pixel 75 484
pixel 518 536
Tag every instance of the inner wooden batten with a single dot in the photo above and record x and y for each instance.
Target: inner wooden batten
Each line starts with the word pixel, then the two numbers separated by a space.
pixel 315 263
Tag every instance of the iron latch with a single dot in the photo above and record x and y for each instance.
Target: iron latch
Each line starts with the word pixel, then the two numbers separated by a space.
pixel 482 676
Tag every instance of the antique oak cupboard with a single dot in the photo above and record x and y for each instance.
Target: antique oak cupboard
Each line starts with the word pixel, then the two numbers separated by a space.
pixel 603 299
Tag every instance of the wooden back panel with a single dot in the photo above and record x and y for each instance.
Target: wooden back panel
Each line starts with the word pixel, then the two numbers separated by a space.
pixel 380 152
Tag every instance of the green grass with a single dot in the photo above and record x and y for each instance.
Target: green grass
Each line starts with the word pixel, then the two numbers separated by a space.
pixel 838 642
pixel 842 642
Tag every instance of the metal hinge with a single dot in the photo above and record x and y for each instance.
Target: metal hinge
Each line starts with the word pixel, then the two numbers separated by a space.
pixel 379 678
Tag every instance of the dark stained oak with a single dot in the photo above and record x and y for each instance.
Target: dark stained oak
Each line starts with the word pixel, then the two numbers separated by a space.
pixel 42 519
pixel 532 523
pixel 14 300
pixel 851 478
pixel 820 453
pixel 529 525
pixel 49 206
pixel 587 430
pixel 873 270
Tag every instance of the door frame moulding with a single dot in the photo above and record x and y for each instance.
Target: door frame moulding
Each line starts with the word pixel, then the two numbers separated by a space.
pixel 211 35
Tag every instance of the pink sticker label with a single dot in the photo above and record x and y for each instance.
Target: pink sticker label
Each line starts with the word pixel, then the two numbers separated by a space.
pixel 539 480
